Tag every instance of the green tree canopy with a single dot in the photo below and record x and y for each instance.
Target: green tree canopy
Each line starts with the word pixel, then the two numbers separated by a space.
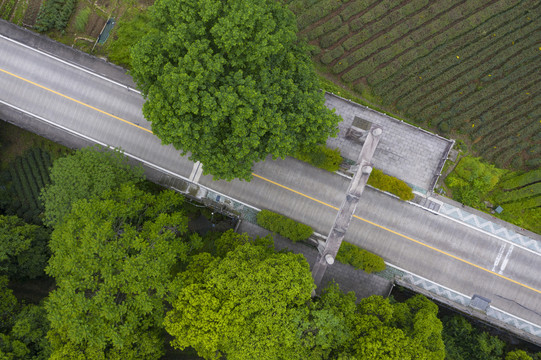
pixel 112 259
pixel 401 331
pixel 518 355
pixel 246 305
pixel 229 82
pixel 463 341
pixel 27 338
pixel 88 172
pixel 23 248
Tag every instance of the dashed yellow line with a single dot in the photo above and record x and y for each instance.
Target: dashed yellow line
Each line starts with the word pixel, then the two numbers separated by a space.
pixel 75 100
pixel 288 188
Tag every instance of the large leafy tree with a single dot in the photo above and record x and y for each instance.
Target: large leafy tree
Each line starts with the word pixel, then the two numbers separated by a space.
pixel 246 305
pixel 27 338
pixel 23 248
pixel 229 82
pixel 112 259
pixel 401 331
pixel 463 341
pixel 88 172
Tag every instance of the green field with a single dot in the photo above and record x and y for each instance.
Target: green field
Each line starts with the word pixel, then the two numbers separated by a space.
pixel 466 69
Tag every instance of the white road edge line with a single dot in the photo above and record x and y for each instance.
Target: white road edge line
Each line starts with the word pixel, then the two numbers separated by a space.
pixel 243 203
pixel 134 90
pixel 491 234
pixel 125 153
pixel 466 296
pixel 70 64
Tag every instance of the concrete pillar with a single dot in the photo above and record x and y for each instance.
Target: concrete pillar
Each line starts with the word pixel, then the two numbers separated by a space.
pixel 347 209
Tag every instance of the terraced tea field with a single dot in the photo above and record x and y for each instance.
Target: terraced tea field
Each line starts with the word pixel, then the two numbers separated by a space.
pixel 460 67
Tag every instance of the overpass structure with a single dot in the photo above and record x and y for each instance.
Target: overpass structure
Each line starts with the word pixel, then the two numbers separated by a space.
pixel 453 254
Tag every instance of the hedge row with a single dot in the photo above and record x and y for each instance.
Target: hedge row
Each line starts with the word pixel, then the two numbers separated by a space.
pixel 284 226
pixel 519 194
pixel 355 7
pixel 333 54
pixel 332 38
pixel 324 28
pixel 470 63
pixel 322 157
pixel 55 14
pixel 316 12
pixel 446 44
pixel 390 184
pixel 26 177
pixel 406 50
pixel 359 258
pixel 7 8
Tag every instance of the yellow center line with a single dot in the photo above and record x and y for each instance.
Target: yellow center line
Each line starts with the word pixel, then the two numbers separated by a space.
pixel 75 100
pixel 294 191
pixel 287 188
pixel 402 235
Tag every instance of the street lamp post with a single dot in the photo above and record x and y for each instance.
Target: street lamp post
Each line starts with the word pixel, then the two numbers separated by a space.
pixel 343 218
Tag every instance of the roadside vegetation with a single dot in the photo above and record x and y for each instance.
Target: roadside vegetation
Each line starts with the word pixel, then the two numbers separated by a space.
pixel 416 77
pixel 483 186
pixel 126 264
pixel 466 70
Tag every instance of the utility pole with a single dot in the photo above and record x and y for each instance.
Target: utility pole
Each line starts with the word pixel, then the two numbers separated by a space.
pixel 343 218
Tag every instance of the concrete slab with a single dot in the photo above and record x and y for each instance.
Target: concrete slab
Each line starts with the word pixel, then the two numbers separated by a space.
pixel 405 151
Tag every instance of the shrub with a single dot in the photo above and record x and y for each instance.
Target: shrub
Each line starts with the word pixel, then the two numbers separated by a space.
pixel 472 179
pixel 330 55
pixel 54 14
pixel 390 184
pixel 322 157
pixel 284 226
pixel 444 127
pixel 332 38
pixel 324 28
pixel 130 30
pixel 316 12
pixel 359 258
pixel 514 180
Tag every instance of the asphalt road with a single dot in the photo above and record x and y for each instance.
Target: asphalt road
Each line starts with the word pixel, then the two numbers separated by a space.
pixel 429 245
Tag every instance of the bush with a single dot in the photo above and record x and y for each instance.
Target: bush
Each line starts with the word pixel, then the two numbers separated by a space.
pixel 332 38
pixel 390 184
pixel 322 157
pixel 514 180
pixel 284 226
pixel 330 55
pixel 54 14
pixel 472 179
pixel 359 258
pixel 129 31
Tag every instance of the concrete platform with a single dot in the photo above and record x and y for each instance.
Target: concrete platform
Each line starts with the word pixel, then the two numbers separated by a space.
pixel 404 151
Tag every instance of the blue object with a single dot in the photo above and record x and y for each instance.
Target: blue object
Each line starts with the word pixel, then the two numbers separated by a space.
pixel 499 209
pixel 106 30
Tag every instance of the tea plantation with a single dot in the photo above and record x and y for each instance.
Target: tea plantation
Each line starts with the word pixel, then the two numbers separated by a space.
pixel 463 68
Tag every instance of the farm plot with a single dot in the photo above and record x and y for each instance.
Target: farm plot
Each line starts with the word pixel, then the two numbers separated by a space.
pixel 520 196
pixel 463 68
